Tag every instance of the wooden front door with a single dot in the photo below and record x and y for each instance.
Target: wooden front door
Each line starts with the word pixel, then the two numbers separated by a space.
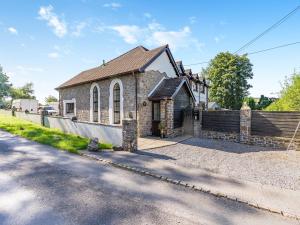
pixel 155 118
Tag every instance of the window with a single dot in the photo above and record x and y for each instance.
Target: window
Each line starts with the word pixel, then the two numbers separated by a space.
pixel 95 99
pixel 156 111
pixel 116 104
pixel 202 88
pixel 70 108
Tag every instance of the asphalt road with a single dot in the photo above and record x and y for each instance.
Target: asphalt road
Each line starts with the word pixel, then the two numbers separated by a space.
pixel 41 185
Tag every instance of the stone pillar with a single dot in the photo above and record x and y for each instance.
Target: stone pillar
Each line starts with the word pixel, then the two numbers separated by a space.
pixel 198 122
pixel 43 114
pixel 129 135
pixel 245 124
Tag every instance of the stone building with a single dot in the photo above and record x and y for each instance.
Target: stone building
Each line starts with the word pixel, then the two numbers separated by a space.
pixel 142 84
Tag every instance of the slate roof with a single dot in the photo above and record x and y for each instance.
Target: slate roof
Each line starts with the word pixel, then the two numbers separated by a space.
pixel 135 60
pixel 168 88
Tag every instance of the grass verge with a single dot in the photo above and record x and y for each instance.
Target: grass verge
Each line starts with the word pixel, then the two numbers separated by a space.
pixel 47 136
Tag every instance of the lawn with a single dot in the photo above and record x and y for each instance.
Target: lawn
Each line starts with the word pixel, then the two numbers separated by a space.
pixel 44 135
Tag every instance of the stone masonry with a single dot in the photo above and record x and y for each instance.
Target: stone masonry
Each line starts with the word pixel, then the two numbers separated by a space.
pixel 146 83
pixel 129 134
pixel 245 124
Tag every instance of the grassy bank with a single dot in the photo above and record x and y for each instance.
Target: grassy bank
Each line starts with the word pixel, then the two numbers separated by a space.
pixel 44 135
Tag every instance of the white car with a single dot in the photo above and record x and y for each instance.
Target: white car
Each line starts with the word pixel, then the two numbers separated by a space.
pixel 49 109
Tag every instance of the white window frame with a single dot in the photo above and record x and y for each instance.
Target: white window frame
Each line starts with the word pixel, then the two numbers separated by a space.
pixel 92 103
pixel 111 101
pixel 73 100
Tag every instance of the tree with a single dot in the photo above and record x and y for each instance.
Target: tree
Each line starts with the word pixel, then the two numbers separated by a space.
pixel 264 102
pixel 250 102
pixel 289 96
pixel 24 92
pixel 229 76
pixel 51 98
pixel 4 87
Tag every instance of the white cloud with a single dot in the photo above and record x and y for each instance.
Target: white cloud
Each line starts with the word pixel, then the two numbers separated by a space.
pixel 192 19
pixel 155 34
pixel 147 15
pixel 78 29
pixel 219 38
pixel 26 69
pixel 130 33
pixel 53 55
pixel 112 5
pixel 176 39
pixel 12 30
pixel 59 26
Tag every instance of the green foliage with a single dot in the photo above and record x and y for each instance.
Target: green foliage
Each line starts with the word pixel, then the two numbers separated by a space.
pixel 4 87
pixel 250 102
pixel 229 76
pixel 44 135
pixel 24 92
pixel 105 146
pixel 289 96
pixel 264 102
pixel 51 98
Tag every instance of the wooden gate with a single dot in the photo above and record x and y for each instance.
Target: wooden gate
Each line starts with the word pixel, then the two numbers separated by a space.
pixel 188 121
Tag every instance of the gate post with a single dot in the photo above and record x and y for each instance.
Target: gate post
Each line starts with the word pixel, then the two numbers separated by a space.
pixel 245 124
pixel 197 117
pixel 129 134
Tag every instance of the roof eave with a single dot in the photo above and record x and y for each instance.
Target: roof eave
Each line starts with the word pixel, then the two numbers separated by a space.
pixel 98 79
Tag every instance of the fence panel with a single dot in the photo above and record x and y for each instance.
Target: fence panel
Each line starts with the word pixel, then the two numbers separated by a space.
pixel 278 124
pixel 222 121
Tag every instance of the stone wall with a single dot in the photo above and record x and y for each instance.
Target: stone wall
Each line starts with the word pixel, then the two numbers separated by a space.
pixel 129 135
pixel 146 83
pixel 82 95
pixel 235 137
pixel 167 118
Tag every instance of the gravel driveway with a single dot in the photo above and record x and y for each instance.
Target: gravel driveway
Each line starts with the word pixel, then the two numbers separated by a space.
pixel 252 163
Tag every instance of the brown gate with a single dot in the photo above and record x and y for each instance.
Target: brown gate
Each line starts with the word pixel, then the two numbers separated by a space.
pixel 188 121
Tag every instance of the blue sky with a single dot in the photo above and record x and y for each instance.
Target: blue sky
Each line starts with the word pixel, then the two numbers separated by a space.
pixel 48 42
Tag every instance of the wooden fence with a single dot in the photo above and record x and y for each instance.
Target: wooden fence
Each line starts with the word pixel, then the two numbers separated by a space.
pixel 222 121
pixel 276 124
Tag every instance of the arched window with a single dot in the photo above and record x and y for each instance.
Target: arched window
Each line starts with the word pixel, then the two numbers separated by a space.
pixel 95 99
pixel 95 103
pixel 116 104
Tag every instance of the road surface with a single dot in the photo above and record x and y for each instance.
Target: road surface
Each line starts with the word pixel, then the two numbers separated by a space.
pixel 41 185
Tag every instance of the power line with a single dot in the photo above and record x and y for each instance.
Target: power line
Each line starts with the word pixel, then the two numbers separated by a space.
pixel 283 19
pixel 256 52
pixel 268 49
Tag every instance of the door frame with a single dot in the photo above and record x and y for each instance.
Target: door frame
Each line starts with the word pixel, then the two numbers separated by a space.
pixel 155 123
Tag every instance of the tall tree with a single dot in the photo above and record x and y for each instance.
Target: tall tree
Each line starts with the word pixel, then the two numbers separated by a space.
pixel 250 102
pixel 51 98
pixel 229 75
pixel 24 92
pixel 4 86
pixel 289 96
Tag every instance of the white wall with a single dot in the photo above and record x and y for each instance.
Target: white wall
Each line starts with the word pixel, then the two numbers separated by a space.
pixel 26 104
pixel 163 65
pixel 105 133
pixel 32 117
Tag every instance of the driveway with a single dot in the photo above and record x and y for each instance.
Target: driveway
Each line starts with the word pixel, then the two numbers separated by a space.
pixel 41 185
pixel 243 162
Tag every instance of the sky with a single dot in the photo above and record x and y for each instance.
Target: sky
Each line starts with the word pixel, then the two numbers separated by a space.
pixel 48 42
